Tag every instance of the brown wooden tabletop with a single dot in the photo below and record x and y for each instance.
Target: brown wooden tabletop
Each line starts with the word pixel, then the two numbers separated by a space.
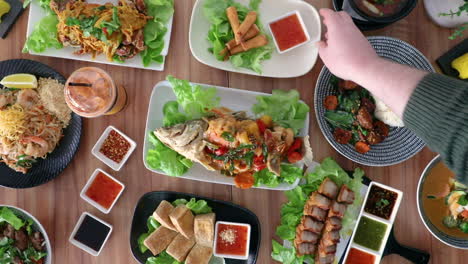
pixel 58 205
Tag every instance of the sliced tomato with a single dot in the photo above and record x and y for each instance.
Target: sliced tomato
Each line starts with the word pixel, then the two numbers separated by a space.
pixel 294 157
pixel 244 180
pixel 221 151
pixel 261 126
pixel 259 163
pixel 296 145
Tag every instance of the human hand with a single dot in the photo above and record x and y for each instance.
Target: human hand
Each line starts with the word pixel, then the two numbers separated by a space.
pixel 345 52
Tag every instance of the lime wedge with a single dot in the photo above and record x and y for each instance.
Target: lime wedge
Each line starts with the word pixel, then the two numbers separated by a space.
pixel 20 81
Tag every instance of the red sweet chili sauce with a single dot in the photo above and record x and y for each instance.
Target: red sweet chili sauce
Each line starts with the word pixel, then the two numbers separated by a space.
pixel 356 256
pixel 231 240
pixel 288 32
pixel 103 190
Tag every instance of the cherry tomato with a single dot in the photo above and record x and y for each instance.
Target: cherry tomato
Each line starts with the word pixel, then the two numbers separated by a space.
pixel 221 151
pixel 294 157
pixel 261 126
pixel 244 180
pixel 362 147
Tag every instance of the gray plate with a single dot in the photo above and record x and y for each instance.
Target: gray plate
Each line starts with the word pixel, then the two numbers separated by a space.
pixel 401 144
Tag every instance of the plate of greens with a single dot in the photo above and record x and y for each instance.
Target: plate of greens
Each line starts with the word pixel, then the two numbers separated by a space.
pixel 210 31
pixel 179 102
pixel 127 33
pixel 23 239
pixel 144 224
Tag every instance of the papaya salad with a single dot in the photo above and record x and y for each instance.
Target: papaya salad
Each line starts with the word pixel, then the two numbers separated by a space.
pixel 121 32
pixel 258 150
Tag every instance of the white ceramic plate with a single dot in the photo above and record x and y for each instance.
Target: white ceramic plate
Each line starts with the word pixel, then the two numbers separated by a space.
pixel 294 63
pixel 235 99
pixel 36 13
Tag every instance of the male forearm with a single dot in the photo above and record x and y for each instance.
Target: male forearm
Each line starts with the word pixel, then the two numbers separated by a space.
pixel 391 82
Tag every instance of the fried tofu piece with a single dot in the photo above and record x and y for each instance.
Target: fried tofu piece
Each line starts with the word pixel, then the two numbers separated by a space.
pixel 180 247
pixel 305 249
pixel 199 255
pixel 306 236
pixel 315 212
pixel 309 224
pixel 328 188
pixel 332 224
pixel 346 195
pixel 318 200
pixel 162 214
pixel 182 218
pixel 337 210
pixel 204 225
pixel 158 241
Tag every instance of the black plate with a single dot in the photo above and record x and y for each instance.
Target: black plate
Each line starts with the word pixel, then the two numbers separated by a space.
pixel 45 169
pixel 405 11
pixel 225 211
pixel 362 25
pixel 445 61
pixel 9 19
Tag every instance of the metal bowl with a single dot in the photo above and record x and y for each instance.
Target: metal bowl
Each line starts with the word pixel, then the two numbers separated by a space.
pixel 441 236
pixel 36 226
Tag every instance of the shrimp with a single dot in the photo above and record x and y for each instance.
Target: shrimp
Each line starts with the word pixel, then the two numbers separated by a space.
pixel 27 98
pixel 36 146
pixel 5 99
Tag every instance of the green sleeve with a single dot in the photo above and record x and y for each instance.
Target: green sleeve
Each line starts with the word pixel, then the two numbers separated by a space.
pixel 438 113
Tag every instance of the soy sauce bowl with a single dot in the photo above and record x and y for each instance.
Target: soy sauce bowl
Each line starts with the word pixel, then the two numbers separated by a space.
pixel 405 11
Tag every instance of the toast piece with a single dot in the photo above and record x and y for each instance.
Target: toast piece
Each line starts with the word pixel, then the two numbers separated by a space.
pixel 158 241
pixel 199 255
pixel 162 214
pixel 204 225
pixel 180 247
pixel 182 218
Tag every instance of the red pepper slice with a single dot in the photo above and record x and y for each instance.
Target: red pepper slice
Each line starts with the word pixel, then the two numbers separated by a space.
pixel 296 145
pixel 294 157
pixel 261 126
pixel 221 151
pixel 104 29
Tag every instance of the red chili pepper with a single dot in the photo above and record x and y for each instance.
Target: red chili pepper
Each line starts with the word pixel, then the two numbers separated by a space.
pixel 259 163
pixel 261 126
pixel 294 157
pixel 296 145
pixel 104 29
pixel 221 151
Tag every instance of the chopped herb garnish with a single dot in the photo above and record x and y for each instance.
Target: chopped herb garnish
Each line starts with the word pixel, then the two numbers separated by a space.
pixel 431 197
pixel 463 200
pixel 382 203
pixel 228 136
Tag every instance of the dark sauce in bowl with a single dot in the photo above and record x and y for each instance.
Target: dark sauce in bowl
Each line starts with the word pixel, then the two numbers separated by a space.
pixel 92 233
pixel 380 202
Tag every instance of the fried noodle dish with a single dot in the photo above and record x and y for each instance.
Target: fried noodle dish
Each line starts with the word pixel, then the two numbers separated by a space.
pixel 31 123
pixel 116 31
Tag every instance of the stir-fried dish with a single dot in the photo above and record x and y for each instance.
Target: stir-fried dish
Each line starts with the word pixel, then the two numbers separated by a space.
pixel 380 8
pixel 19 242
pixel 351 114
pixel 445 201
pixel 116 31
pixel 31 123
pixel 234 144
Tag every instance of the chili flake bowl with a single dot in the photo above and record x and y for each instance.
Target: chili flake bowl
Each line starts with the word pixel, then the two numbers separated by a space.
pixel 98 154
pixel 94 203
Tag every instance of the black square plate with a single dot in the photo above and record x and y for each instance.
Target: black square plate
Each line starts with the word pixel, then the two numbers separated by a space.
pixel 445 61
pixel 225 211
pixel 9 19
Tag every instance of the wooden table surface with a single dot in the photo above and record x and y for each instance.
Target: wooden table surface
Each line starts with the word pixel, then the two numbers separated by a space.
pixel 57 204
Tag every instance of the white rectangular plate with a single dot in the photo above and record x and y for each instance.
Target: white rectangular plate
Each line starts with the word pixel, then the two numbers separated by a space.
pixel 234 99
pixel 36 13
pixel 294 63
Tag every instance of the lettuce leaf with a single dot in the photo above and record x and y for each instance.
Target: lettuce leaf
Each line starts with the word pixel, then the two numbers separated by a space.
pixel 44 35
pixel 161 157
pixel 195 100
pixel 162 258
pixel 220 33
pixel 155 30
pixel 292 211
pixel 289 174
pixel 284 108
pixel 286 255
pixel 197 206
pixel 7 215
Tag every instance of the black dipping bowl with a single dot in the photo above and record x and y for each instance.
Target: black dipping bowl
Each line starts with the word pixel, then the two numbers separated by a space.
pixel 406 10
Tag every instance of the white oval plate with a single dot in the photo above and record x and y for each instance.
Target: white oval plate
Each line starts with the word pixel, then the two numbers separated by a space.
pixel 291 64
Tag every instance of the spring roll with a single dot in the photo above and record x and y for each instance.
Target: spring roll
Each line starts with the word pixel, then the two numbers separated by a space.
pixel 231 13
pixel 258 41
pixel 245 26
pixel 253 31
